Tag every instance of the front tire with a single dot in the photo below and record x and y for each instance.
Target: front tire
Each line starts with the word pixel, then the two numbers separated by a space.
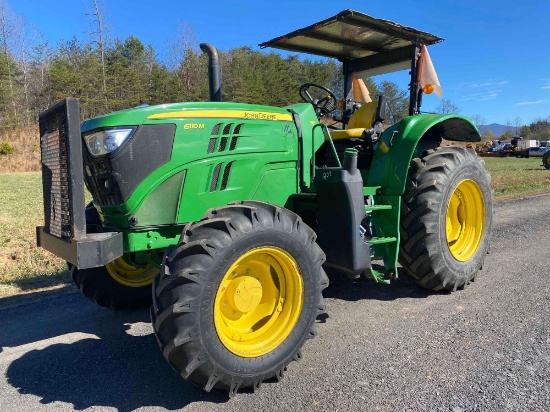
pixel 118 285
pixel 446 218
pixel 238 296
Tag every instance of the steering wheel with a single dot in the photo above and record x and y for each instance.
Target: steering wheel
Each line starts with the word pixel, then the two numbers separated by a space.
pixel 324 104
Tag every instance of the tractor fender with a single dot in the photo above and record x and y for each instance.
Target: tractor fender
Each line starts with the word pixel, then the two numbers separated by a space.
pixel 410 138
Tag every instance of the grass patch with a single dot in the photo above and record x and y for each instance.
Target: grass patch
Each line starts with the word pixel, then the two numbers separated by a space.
pixel 513 178
pixel 27 269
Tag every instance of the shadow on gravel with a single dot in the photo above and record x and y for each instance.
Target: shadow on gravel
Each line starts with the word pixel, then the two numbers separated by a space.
pixel 116 369
pixel 58 287
pixel 117 363
pixel 343 288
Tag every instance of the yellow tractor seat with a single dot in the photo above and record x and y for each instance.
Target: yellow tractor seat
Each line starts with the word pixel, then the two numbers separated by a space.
pixel 362 119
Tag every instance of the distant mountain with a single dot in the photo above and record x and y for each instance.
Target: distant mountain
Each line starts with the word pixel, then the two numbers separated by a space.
pixel 497 129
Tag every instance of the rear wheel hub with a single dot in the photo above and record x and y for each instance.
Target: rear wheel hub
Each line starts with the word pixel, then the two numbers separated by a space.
pixel 465 220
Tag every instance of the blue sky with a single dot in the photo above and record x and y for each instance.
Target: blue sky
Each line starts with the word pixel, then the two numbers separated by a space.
pixel 495 60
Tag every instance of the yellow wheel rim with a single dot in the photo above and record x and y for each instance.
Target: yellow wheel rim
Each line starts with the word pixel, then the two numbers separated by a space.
pixel 465 220
pixel 258 302
pixel 129 275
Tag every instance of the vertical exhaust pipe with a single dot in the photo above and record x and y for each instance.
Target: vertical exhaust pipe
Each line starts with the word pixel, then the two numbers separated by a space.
pixel 214 72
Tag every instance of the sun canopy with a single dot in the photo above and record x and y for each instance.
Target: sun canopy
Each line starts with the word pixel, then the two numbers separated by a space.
pixel 365 42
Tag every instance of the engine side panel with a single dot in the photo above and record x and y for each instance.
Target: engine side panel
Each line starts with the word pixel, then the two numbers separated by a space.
pixel 237 156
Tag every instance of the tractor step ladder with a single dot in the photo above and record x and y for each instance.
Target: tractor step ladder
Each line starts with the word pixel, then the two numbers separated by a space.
pixel 379 277
pixel 380 240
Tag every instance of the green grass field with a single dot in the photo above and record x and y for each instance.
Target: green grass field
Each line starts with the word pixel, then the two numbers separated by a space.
pixel 28 268
pixel 513 178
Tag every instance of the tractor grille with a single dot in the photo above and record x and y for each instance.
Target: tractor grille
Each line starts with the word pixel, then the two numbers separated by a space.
pixel 215 176
pixel 227 139
pixel 211 146
pixel 225 178
pixel 53 144
pixel 223 144
pixel 101 181
pixel 60 157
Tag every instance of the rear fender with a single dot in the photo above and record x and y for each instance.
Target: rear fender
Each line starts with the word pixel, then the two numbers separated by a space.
pixel 390 165
pixel 410 138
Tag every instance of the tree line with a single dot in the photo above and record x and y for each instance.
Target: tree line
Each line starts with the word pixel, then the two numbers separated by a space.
pixel 130 74
pixel 110 74
pixel 114 74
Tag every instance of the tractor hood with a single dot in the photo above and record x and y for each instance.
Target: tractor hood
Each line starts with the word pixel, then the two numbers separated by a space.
pixel 169 113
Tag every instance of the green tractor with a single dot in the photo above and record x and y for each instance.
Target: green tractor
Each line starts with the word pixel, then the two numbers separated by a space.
pixel 224 215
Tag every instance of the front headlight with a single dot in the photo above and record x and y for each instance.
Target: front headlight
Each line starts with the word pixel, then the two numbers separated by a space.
pixel 106 141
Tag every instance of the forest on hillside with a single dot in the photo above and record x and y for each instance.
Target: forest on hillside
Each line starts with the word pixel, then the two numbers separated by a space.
pixel 109 74
pixel 125 73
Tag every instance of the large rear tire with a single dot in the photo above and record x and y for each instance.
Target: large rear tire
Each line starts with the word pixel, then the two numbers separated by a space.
pixel 238 296
pixel 546 160
pixel 446 218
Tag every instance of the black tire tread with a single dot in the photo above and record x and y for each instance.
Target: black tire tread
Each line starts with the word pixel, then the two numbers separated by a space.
pixel 179 283
pixel 546 160
pixel 419 253
pixel 98 286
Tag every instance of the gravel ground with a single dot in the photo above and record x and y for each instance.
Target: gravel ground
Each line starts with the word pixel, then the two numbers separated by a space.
pixel 397 347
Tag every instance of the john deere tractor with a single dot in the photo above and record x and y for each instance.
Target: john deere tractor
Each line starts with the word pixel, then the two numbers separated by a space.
pixel 226 214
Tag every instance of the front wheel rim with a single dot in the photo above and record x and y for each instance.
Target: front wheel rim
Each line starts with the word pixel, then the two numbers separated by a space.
pixel 465 220
pixel 129 275
pixel 258 302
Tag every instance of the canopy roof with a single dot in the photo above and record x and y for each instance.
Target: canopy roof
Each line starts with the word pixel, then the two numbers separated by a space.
pixel 356 37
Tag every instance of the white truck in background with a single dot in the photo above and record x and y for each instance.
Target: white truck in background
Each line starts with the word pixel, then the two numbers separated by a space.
pixel 523 145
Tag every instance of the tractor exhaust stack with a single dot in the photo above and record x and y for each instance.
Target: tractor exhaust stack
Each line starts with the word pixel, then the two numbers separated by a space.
pixel 214 72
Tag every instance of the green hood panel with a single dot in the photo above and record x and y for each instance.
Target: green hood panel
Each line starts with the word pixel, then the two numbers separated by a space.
pixel 154 114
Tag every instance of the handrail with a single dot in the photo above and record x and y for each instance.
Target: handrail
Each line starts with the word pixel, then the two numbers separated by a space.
pixel 312 163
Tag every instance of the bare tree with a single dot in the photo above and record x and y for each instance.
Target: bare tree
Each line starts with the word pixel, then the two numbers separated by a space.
pixel 517 125
pixel 7 30
pixel 185 40
pixel 479 120
pixel 40 55
pixel 447 107
pixel 100 32
pixel 182 57
pixel 508 127
pixel 23 40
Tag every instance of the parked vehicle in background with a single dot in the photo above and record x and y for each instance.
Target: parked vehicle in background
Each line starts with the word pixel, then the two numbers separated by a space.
pixel 536 151
pixel 522 146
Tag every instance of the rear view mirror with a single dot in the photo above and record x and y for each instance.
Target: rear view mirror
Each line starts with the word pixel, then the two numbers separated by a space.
pixel 381 109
